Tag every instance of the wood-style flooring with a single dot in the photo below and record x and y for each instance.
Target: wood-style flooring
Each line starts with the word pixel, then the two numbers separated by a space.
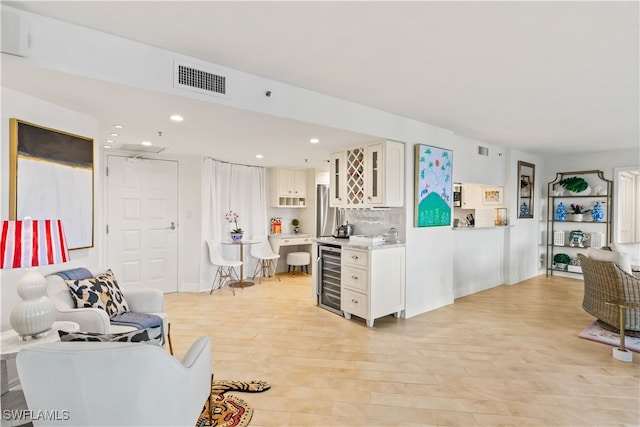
pixel 508 356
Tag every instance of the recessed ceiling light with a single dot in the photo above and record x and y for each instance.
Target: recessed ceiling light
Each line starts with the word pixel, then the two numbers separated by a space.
pixel 145 143
pixel 113 134
pixel 110 141
pixel 106 146
pixel 259 156
pixel 314 140
pixel 118 126
pixel 176 118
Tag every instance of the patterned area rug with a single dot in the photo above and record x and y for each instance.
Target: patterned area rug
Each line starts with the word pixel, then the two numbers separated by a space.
pixel 228 410
pixel 594 332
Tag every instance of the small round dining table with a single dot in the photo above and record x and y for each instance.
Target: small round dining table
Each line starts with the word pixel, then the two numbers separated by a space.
pixel 241 243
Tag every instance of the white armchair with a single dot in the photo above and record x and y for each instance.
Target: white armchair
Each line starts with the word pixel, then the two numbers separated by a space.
pixel 149 301
pixel 115 384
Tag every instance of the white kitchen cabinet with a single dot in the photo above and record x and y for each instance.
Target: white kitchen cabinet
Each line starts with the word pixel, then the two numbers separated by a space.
pixel 337 180
pixel 384 174
pixel 287 187
pixel 471 196
pixel 372 282
pixel 368 176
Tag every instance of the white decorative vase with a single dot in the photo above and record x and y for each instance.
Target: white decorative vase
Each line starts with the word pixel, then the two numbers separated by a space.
pixel 578 217
pixel 35 313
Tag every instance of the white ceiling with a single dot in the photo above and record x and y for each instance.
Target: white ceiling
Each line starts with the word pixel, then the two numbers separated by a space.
pixel 544 77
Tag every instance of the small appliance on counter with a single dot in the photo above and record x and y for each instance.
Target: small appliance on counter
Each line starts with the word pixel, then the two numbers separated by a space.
pixel 344 231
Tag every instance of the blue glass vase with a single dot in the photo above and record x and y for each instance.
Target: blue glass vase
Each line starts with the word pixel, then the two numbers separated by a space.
pixel 561 212
pixel 524 209
pixel 597 213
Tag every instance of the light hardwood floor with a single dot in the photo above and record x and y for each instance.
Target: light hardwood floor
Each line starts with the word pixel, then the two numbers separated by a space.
pixel 506 356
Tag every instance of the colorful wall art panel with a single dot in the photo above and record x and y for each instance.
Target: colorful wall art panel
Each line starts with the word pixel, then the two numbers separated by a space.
pixel 433 186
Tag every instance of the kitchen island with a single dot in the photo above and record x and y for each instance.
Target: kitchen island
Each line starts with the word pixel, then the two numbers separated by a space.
pixel 359 279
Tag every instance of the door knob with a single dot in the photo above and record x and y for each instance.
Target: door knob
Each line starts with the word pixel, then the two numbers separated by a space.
pixel 172 226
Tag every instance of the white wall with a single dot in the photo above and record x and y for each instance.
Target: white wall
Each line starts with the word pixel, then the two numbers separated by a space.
pixel 189 223
pixel 20 106
pixel 525 237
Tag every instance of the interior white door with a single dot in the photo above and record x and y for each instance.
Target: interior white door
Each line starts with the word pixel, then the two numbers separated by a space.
pixel 142 212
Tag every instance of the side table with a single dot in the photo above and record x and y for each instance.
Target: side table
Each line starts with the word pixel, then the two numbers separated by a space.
pixel 242 243
pixel 10 345
pixel 622 353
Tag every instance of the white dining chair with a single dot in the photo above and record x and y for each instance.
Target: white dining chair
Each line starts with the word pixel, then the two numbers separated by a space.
pixel 226 268
pixel 267 259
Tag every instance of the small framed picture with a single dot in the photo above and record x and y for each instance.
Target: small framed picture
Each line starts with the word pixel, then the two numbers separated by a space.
pixel 492 196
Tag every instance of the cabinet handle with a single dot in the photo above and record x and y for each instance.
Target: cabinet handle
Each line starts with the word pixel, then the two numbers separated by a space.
pixel 355 301
pixel 369 197
pixel 354 277
pixel 356 257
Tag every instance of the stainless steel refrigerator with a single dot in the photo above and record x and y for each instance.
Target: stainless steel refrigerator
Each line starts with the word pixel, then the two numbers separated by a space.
pixel 326 216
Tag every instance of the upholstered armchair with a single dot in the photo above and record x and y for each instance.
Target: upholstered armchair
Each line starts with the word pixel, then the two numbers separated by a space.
pixel 96 320
pixel 115 383
pixel 606 281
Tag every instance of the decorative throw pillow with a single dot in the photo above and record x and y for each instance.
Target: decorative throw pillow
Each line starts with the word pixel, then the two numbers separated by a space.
pixel 621 259
pixel 116 294
pixel 149 335
pixel 101 292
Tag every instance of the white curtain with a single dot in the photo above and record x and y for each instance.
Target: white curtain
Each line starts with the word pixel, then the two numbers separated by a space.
pixel 242 189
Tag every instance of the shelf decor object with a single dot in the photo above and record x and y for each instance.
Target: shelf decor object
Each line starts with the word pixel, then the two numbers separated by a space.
pixel 597 240
pixel 558 238
pixel 28 244
pixel 597 213
pixel 574 190
pixel 561 212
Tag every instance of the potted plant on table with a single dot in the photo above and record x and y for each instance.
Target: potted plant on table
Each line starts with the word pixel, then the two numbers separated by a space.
pixel 237 232
pixel 578 212
pixel 296 225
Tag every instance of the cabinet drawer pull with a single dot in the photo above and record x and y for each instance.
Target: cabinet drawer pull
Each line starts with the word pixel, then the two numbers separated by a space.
pixel 354 277
pixel 355 257
pixel 355 301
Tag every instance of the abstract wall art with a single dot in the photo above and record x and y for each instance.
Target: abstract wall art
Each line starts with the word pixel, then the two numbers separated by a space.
pixel 51 177
pixel 433 186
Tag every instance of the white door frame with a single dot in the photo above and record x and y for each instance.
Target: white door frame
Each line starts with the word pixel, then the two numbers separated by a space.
pixel 616 197
pixel 105 197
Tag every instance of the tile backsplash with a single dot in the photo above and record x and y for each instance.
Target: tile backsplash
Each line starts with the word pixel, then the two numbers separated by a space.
pixel 374 222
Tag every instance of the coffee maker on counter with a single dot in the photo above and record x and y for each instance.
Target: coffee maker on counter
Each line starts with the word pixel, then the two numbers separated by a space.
pixel 344 231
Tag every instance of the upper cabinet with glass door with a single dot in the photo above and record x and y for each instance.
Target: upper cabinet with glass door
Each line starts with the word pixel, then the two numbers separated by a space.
pixel 368 176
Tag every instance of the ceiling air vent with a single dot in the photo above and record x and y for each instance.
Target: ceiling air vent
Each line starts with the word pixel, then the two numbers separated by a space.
pixel 483 151
pixel 141 148
pixel 190 77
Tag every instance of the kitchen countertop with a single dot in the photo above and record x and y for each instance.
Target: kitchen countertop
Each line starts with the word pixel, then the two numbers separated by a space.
pixel 492 227
pixel 346 244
